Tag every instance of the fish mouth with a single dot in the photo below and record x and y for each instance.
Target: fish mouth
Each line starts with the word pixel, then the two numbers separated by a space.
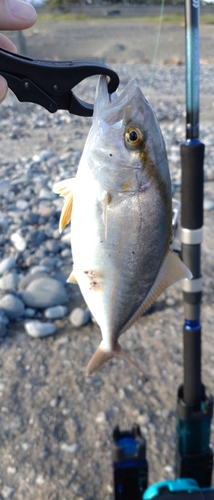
pixel 109 108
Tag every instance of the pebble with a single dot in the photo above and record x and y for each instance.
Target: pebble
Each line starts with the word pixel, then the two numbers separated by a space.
pixel 3 317
pixel 12 306
pixel 56 312
pixel 37 329
pixel 29 278
pixel 4 222
pixel 43 293
pixel 29 312
pixel 70 448
pixel 18 242
pixel 79 317
pixel 208 204
pixel 3 329
pixel 39 269
pixel 7 264
pixel 9 281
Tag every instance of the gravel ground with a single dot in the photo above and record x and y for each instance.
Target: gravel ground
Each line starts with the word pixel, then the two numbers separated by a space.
pixel 56 424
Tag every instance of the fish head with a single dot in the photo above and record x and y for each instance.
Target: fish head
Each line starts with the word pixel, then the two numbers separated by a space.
pixel 125 149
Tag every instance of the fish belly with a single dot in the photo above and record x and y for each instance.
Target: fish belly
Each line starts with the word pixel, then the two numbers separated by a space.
pixel 117 251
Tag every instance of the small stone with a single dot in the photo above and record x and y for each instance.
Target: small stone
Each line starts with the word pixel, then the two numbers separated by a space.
pixel 46 194
pixel 29 312
pixel 11 470
pixel 40 480
pixel 4 222
pixel 70 448
pixel 7 492
pixel 52 246
pixel 168 468
pixel 26 446
pixel 31 218
pixel 9 281
pixel 39 269
pixel 3 330
pixel 143 419
pixel 101 418
pixel 49 262
pixel 66 238
pixel 22 204
pixel 43 293
pixel 5 186
pixel 12 306
pixel 208 204
pixel 3 317
pixel 56 312
pixel 170 301
pixel 79 317
pixel 18 242
pixel 7 264
pixel 37 329
pixel 66 253
pixel 46 210
pixel 43 156
pixel 29 278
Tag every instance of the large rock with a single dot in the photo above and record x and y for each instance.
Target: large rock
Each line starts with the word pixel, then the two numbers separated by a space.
pixel 43 293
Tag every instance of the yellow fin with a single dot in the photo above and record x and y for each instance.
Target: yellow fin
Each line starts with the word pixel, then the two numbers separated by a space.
pixel 64 187
pixel 101 356
pixel 66 212
pixel 72 278
pixel 171 270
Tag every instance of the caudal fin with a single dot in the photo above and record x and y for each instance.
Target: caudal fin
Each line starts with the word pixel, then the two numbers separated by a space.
pixel 101 356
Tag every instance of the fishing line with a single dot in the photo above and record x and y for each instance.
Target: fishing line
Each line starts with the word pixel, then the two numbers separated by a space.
pixel 154 59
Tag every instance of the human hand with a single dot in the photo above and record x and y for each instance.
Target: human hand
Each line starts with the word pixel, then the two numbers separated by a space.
pixel 14 15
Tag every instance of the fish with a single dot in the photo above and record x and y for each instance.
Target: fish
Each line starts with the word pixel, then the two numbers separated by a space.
pixel 120 207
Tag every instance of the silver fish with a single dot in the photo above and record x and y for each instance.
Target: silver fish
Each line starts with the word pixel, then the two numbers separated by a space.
pixel 121 211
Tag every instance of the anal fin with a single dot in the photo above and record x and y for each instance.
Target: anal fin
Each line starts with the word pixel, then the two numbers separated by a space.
pixel 72 278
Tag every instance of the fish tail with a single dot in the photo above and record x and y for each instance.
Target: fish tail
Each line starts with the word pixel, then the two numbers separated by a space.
pixel 101 356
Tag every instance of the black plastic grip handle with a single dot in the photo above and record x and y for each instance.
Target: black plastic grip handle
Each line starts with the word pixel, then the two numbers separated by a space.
pixel 192 161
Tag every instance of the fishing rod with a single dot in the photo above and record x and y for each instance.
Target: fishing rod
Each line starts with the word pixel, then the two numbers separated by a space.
pixel 194 457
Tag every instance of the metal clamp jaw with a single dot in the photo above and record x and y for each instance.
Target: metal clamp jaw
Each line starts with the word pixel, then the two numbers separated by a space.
pixel 50 83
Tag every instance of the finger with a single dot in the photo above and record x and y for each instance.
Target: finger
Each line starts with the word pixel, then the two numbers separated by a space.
pixel 16 15
pixel 3 88
pixel 5 43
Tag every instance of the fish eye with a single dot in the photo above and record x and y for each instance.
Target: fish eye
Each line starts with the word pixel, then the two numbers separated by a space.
pixel 133 137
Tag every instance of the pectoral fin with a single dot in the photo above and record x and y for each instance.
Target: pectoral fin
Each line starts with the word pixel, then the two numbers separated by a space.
pixel 66 212
pixel 171 270
pixel 65 189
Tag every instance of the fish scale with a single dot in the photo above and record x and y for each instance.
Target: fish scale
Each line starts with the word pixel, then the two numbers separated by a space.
pixel 121 211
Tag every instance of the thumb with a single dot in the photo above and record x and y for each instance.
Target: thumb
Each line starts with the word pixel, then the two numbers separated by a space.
pixel 16 15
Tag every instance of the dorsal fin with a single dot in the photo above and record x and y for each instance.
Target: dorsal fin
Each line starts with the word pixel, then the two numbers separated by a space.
pixel 172 269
